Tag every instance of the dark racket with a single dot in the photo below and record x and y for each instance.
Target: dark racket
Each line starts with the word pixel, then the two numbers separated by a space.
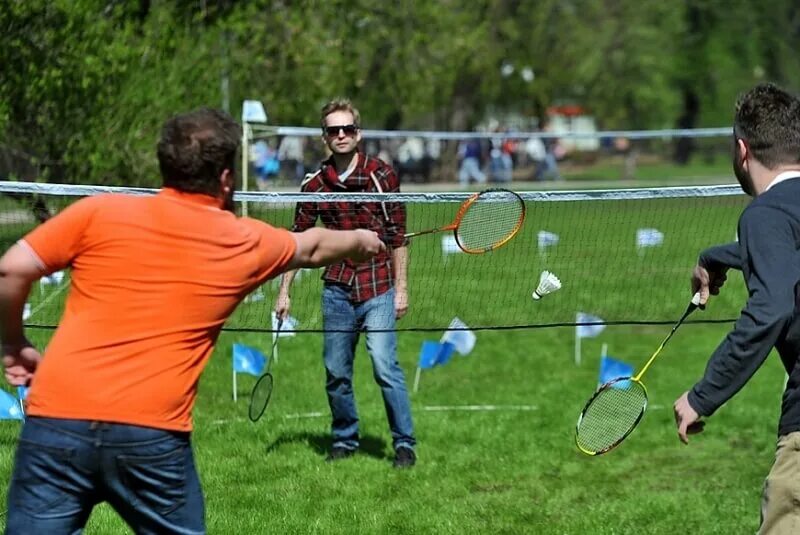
pixel 262 391
pixel 618 406
pixel 485 221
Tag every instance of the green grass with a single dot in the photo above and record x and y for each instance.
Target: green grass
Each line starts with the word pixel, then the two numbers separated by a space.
pixel 506 471
pixel 649 170
pixel 480 472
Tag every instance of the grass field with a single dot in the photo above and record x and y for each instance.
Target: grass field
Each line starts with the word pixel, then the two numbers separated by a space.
pixel 514 469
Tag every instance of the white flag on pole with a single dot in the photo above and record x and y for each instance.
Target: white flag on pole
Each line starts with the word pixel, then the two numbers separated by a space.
pixel 546 239
pixel 649 237
pixel 460 336
pixel 450 245
pixel 253 112
pixel 588 331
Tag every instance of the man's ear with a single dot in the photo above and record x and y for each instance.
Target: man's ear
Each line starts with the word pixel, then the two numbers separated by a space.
pixel 744 151
pixel 226 181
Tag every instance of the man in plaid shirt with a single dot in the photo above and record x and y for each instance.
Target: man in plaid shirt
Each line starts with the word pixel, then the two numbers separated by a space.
pixel 367 296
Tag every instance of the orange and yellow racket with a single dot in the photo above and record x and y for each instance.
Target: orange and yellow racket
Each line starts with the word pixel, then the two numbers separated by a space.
pixel 485 221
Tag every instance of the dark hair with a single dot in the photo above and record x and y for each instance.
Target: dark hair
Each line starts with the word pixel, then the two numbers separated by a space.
pixel 340 104
pixel 768 120
pixel 195 148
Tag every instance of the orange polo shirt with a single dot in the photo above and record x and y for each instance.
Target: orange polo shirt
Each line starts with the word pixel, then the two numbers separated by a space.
pixel 153 280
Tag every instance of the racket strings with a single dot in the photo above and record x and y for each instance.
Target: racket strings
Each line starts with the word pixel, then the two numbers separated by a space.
pixel 611 415
pixel 260 396
pixel 490 220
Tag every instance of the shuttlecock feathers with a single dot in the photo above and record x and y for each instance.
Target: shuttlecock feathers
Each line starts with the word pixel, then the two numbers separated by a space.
pixel 548 283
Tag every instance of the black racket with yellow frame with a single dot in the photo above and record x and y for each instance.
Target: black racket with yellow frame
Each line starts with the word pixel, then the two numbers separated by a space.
pixel 617 407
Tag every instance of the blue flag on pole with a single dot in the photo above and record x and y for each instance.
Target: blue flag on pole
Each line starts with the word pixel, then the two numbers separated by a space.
pixel 445 353
pixel 248 359
pixel 10 409
pixel 611 368
pixel 435 354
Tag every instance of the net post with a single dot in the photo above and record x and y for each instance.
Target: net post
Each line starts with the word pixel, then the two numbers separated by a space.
pixel 245 162
pixel 252 112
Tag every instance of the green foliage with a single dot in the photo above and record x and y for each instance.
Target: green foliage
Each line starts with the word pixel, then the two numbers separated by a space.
pixel 85 85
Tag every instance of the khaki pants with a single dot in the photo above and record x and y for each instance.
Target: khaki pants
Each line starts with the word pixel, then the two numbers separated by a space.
pixel 780 502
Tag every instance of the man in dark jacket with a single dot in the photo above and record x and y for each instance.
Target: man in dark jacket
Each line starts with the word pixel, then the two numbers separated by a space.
pixel 766 162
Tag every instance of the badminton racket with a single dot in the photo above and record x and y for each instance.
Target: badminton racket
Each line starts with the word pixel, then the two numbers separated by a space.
pixel 485 221
pixel 617 407
pixel 262 391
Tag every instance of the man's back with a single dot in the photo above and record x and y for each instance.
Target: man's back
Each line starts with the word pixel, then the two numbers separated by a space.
pixel 153 281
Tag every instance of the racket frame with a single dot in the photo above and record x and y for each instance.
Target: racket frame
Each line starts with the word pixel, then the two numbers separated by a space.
pixel 694 304
pixel 600 390
pixel 264 376
pixel 462 210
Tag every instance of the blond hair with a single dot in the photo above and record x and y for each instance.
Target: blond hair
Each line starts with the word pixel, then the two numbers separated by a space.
pixel 340 104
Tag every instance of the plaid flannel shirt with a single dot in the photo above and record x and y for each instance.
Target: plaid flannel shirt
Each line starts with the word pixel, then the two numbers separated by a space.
pixel 371 175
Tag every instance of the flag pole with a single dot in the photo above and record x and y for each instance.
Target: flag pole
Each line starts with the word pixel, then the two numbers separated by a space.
pixel 416 379
pixel 275 335
pixel 234 383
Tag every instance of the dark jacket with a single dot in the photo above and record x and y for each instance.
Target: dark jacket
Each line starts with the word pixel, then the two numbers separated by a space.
pixel 768 254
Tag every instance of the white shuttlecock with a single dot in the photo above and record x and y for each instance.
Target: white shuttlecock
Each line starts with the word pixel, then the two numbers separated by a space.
pixel 548 283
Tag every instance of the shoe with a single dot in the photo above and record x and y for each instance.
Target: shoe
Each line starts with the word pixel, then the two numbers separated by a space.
pixel 404 457
pixel 338 453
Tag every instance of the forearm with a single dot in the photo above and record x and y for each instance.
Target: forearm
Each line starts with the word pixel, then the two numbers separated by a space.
pixel 727 256
pixel 736 359
pixel 286 281
pixel 317 247
pixel 13 294
pixel 400 265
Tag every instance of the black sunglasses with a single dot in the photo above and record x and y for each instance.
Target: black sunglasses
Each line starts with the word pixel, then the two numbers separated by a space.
pixel 348 129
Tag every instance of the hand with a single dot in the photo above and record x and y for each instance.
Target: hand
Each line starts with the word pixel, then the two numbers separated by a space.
pixel 707 282
pixel 686 418
pixel 20 361
pixel 400 302
pixel 368 245
pixel 282 306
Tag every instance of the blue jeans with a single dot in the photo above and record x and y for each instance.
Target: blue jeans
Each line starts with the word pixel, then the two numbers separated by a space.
pixel 63 468
pixel 471 170
pixel 340 314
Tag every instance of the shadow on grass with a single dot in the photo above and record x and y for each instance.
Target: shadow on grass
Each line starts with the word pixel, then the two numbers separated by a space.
pixel 321 444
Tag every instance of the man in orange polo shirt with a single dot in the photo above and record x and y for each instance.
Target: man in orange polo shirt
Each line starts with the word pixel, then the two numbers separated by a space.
pixel 153 280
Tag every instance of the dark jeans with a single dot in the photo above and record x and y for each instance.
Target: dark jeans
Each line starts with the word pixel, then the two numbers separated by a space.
pixel 63 468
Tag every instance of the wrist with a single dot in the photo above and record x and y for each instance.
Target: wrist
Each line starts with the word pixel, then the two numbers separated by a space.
pixel 10 341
